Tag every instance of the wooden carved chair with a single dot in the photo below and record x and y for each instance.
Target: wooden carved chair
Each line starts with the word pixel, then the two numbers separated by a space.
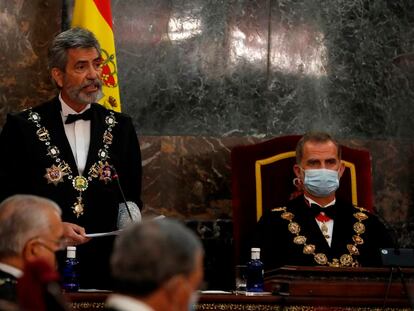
pixel 262 178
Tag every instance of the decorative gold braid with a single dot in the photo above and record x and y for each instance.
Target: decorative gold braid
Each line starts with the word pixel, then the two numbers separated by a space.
pixel 57 172
pixel 346 260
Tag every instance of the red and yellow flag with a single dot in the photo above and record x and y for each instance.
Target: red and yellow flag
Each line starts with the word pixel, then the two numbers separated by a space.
pixel 96 16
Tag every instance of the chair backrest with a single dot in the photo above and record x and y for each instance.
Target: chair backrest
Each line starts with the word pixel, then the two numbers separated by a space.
pixel 262 178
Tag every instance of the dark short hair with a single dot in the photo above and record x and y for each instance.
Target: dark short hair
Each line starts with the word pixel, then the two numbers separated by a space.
pixel 70 39
pixel 316 137
pixel 148 254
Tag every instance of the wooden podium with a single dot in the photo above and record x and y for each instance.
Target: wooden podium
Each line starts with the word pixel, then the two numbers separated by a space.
pixel 325 286
pixel 304 288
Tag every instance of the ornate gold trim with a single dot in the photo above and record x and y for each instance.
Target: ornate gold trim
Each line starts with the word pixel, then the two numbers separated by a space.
pixel 346 260
pixel 259 164
pixel 238 306
pixel 87 305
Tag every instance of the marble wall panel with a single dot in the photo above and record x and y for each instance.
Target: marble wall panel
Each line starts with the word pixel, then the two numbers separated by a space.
pixel 193 67
pixel 26 29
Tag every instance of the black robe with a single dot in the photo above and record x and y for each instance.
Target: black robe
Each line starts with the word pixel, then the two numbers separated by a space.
pixel 24 161
pixel 278 249
pixel 8 289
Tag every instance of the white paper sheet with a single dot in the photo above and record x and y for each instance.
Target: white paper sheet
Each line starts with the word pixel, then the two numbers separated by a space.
pixel 97 235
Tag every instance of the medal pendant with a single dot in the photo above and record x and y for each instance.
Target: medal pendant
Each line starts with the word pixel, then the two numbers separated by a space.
pixel 78 207
pixel 54 175
pixel 80 183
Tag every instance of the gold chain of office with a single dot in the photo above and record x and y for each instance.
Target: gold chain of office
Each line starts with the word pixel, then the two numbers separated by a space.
pixel 56 173
pixel 346 260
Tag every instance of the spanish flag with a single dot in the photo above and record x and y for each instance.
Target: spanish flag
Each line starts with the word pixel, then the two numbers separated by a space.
pixel 96 16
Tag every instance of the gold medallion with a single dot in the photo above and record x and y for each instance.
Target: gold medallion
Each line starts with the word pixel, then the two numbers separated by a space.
pixel 360 216
pixel 358 240
pixel 300 239
pixel 346 260
pixel 321 258
pixel 287 215
pixel 294 227
pixel 309 249
pixel 353 250
pixel 359 227
pixel 80 183
pixel 78 207
pixel 54 175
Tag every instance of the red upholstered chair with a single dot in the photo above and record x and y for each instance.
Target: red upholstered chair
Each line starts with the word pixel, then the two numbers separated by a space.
pixel 262 176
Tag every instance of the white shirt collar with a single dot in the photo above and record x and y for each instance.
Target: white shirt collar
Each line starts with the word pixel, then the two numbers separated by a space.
pixel 17 273
pixel 66 109
pixel 126 303
pixel 314 202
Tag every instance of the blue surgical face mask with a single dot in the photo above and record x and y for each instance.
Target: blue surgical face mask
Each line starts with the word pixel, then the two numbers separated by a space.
pixel 321 182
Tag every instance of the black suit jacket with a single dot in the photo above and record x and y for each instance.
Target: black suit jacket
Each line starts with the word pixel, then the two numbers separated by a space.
pixel 24 160
pixel 276 241
pixel 8 287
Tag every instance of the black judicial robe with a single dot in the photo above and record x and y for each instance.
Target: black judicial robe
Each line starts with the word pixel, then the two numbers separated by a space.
pixel 24 161
pixel 278 248
pixel 8 289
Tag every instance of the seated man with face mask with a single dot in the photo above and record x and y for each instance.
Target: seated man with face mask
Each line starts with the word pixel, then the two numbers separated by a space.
pixel 316 228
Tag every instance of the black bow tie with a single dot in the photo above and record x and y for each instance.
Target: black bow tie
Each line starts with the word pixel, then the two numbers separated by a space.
pixel 328 211
pixel 86 115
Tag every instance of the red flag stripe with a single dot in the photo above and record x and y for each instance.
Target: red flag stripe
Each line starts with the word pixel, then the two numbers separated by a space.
pixel 104 7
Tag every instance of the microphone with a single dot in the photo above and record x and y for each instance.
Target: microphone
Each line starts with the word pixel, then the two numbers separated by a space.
pixel 137 213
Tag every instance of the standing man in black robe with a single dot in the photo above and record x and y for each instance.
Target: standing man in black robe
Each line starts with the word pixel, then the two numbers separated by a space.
pixel 316 228
pixel 75 152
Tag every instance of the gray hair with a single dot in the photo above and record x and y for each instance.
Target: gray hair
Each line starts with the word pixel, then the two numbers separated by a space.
pixel 316 137
pixel 70 39
pixel 148 254
pixel 23 217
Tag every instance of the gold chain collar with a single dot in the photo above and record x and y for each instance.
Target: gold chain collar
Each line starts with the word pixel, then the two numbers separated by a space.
pixel 346 260
pixel 56 173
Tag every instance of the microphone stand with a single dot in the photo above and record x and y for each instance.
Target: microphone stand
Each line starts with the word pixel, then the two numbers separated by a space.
pixel 116 177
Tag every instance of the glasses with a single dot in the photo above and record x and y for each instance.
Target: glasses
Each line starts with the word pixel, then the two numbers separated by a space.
pixel 59 244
